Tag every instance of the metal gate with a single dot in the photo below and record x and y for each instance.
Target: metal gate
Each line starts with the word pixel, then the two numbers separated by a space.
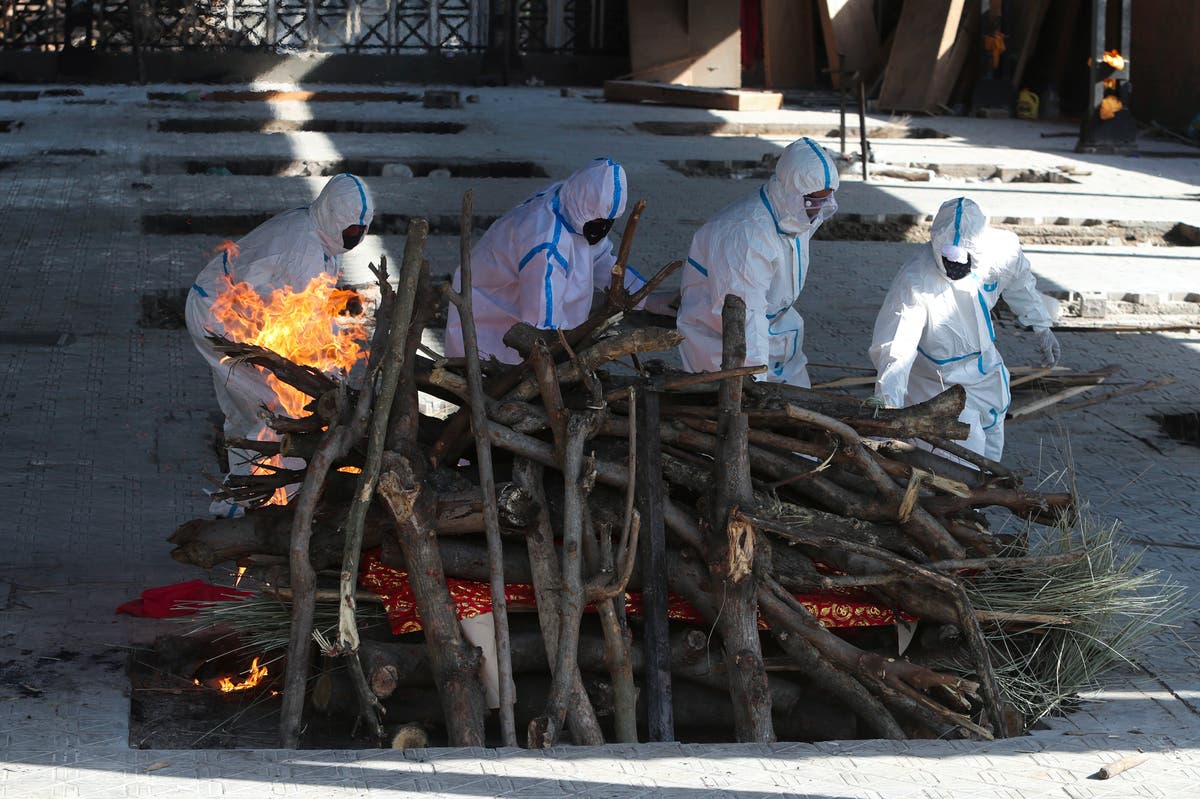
pixel 380 26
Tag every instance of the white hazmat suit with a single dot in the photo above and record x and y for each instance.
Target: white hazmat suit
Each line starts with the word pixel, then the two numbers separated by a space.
pixel 934 332
pixel 534 265
pixel 757 249
pixel 289 249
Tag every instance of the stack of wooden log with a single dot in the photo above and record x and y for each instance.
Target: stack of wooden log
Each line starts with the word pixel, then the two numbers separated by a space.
pixel 590 472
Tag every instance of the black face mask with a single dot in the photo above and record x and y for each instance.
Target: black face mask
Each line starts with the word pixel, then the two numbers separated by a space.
pixel 350 241
pixel 957 271
pixel 596 230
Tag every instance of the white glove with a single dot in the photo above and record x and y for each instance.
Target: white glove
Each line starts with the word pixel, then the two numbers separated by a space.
pixel 1048 347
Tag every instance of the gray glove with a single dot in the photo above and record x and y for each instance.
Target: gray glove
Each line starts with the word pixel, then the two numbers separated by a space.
pixel 876 403
pixel 1048 347
pixel 664 303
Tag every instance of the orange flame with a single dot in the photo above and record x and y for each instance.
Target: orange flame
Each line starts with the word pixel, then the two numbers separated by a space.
pixel 254 678
pixel 350 469
pixel 299 326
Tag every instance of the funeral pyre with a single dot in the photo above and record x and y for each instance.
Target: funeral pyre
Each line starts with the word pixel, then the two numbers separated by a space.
pixel 706 556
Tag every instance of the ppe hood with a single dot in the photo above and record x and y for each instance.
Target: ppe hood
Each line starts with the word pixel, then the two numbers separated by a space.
pixel 956 231
pixel 343 202
pixel 803 168
pixel 598 191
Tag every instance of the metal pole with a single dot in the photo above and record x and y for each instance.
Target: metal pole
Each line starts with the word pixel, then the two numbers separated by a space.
pixel 1099 15
pixel 862 124
pixel 1126 33
pixel 652 543
pixel 841 73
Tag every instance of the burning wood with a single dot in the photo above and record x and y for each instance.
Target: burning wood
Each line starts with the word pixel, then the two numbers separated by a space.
pixel 742 505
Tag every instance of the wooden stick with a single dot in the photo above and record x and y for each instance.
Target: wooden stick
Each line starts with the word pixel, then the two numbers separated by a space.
pixel 1118 766
pixel 483 451
pixel 929 532
pixel 305 379
pixel 968 619
pixel 1074 406
pixel 1034 375
pixel 706 381
pixel 543 562
pixel 653 283
pixel 338 440
pixel 455 662
pixel 616 288
pixel 450 442
pixel 648 485
pixel 544 730
pixel 1058 397
pixel 390 366
pixel 731 545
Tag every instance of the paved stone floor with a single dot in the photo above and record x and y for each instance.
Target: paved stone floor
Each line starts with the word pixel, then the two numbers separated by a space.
pixel 105 427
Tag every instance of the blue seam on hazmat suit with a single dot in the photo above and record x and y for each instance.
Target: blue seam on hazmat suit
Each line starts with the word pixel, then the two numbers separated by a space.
pixel 556 209
pixel 762 193
pixel 616 189
pixel 552 255
pixel 362 194
pixel 958 222
pixel 943 361
pixel 699 268
pixel 987 316
pixel 199 290
pixel 795 331
pixel 990 286
pixel 821 156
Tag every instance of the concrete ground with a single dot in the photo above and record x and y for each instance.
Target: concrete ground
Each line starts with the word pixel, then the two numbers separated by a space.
pixel 105 423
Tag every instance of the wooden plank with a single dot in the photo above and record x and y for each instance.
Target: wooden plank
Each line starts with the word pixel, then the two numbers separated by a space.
pixel 692 42
pixel 715 30
pixel 924 60
pixel 652 545
pixel 1029 27
pixel 788 44
pixel 849 28
pixel 659 44
pixel 636 91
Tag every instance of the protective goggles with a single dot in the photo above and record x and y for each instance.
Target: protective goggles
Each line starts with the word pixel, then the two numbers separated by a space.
pixel 817 202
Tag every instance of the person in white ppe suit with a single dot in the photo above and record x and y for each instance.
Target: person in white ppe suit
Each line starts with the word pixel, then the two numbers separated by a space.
pixel 935 327
pixel 757 249
pixel 290 249
pixel 540 262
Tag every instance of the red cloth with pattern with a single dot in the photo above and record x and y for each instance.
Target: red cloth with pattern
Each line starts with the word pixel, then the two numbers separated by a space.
pixel 475 598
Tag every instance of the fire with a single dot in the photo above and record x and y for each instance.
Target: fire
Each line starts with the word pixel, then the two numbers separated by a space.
pixel 241 571
pixel 300 326
pixel 254 677
pixel 350 469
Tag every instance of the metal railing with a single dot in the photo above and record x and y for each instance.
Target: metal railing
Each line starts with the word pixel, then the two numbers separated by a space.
pixel 367 26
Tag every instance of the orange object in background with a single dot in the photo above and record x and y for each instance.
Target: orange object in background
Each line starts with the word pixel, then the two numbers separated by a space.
pixel 994 43
pixel 1109 107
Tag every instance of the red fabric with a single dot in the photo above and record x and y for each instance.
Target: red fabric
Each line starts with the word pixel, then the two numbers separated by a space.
pixel 474 599
pixel 159 603
pixel 751 23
